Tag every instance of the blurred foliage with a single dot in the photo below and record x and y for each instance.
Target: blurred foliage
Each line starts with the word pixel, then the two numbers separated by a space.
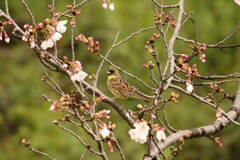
pixel 24 113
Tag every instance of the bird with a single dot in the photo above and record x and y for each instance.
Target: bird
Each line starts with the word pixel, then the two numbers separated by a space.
pixel 121 89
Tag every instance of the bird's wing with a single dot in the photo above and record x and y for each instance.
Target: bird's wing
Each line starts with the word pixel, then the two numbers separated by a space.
pixel 123 87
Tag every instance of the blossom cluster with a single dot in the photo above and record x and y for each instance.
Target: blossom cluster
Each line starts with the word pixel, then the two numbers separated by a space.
pixel 69 101
pixel 65 101
pixel 150 44
pixel 199 49
pixel 106 4
pixel 76 71
pixel 3 33
pixel 93 46
pixel 169 19
pixel 74 12
pixel 141 131
pixel 186 68
pixel 52 30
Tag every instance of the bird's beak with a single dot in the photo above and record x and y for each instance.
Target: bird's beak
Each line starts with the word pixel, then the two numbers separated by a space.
pixel 108 72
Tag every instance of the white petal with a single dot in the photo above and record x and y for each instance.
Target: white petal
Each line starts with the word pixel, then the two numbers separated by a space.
pixel 56 36
pixel 237 1
pixel 189 88
pixel 60 26
pixel 79 76
pixel 47 44
pixel 160 135
pixel 104 132
pixel 104 5
pixel 111 6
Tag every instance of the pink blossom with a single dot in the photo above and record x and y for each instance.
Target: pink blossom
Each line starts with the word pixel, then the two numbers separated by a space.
pixel 26 26
pixel 184 57
pixel 103 114
pixel 178 68
pixel 104 4
pixel 152 116
pixel 139 106
pixel 61 26
pixel 47 44
pixel 77 12
pixel 189 87
pixel 111 6
pixel 160 135
pixel 10 22
pixel 237 1
pixel 73 22
pixel 140 132
pixel 110 146
pixel 202 57
pixel 81 37
pixel 32 42
pixel 77 66
pixel 203 47
pixel 218 114
pixel 65 66
pixel 39 26
pixel 54 106
pixel 1 37
pixel 7 39
pixel 25 36
pixel 103 130
pixel 217 140
pixel 79 76
pixel 56 36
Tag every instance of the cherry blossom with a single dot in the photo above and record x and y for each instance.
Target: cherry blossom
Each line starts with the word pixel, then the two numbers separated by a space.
pixel 79 76
pixel 65 66
pixel 77 66
pixel 54 106
pixel 104 4
pixel 103 130
pixel 47 44
pixel 7 39
pixel 102 114
pixel 189 87
pixel 56 36
pixel 32 42
pixel 237 1
pixel 160 135
pixel 61 26
pixel 140 132
pixel 107 4
pixel 77 73
pixel 111 6
pixel 202 57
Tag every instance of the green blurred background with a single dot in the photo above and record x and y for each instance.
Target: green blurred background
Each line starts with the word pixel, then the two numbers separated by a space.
pixel 24 113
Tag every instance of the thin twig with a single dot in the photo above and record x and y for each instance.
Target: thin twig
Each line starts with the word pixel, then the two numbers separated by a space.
pixel 102 62
pixel 79 139
pixel 55 87
pixel 6 7
pixel 119 147
pixel 27 145
pixel 29 12
pixel 83 154
pixel 74 7
pixel 166 6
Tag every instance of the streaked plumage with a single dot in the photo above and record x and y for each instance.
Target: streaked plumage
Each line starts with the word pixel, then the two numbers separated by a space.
pixel 121 89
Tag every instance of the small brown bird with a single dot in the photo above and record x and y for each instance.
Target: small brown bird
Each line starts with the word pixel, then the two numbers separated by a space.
pixel 121 89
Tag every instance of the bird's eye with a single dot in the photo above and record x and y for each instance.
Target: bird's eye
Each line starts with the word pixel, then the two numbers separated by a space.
pixel 110 71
